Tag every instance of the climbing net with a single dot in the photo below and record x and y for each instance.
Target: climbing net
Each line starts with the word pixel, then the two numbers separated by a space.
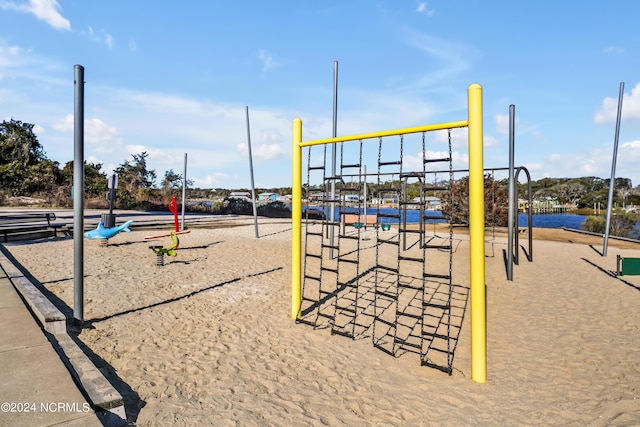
pixel 386 278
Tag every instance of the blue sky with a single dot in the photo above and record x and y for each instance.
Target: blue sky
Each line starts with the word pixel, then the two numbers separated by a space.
pixel 172 78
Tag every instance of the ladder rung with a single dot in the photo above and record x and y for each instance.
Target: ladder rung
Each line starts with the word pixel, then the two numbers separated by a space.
pixel 428 246
pixel 313 168
pixel 391 189
pixel 442 159
pixel 333 178
pixel 314 256
pixel 395 162
pixel 306 276
pixel 434 188
pixel 329 269
pixel 314 233
pixel 387 215
pixel 405 230
pixel 427 217
pixel 327 246
pixel 353 165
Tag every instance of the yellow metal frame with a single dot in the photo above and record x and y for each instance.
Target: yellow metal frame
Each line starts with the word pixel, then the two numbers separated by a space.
pixel 478 306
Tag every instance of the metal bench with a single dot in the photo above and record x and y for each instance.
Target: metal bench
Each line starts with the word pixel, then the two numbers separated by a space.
pixel 21 226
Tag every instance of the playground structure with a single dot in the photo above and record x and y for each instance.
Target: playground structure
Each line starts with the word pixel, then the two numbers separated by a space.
pixel 170 250
pixel 398 296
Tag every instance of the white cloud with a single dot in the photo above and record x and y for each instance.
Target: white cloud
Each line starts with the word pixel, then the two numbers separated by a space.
pixel 215 180
pixel 502 123
pixel 268 62
pixel 452 59
pixel 613 49
pixel 424 9
pixel 263 151
pixel 99 37
pixel 95 130
pixel 608 112
pixel 45 10
pixel 489 141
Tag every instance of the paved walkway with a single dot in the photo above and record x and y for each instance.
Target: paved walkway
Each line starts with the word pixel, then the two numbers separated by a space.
pixel 36 388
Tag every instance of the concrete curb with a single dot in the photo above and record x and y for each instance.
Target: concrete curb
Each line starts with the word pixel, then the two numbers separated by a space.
pixel 105 399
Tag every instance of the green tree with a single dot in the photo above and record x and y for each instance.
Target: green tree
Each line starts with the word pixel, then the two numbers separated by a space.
pixel 18 143
pixel 622 224
pixel 20 152
pixel 135 181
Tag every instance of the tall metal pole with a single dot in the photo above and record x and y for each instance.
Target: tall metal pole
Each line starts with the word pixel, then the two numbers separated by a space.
pixel 253 187
pixel 512 191
pixel 613 171
pixel 333 157
pixel 78 196
pixel 184 192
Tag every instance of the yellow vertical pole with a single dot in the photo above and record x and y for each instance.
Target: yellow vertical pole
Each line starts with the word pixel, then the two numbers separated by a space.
pixel 296 220
pixel 476 237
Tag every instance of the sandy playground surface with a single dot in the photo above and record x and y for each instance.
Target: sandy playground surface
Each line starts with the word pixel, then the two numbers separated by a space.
pixel 207 339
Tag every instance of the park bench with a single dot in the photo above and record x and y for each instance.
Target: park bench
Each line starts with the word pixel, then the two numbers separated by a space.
pixel 358 220
pixel 626 266
pixel 31 225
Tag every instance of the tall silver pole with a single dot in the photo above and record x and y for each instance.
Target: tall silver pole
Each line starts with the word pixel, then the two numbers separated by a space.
pixel 78 196
pixel 512 191
pixel 613 171
pixel 253 187
pixel 184 192
pixel 332 209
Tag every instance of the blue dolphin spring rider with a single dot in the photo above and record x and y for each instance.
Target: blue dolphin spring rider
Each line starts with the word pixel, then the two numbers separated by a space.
pixel 103 233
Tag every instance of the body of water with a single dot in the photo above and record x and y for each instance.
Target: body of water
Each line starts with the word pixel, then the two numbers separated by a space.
pixel 557 220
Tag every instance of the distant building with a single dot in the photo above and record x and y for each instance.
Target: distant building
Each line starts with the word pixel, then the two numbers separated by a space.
pixel 243 195
pixel 271 197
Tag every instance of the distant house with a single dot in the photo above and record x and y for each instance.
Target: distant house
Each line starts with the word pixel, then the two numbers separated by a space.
pixel 270 197
pixel 353 198
pixel 243 195
pixel 390 198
